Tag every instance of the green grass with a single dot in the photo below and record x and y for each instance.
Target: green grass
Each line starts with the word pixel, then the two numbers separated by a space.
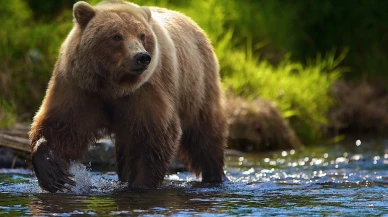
pixel 8 116
pixel 301 91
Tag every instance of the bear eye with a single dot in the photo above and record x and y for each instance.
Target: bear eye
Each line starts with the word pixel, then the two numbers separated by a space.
pixel 142 37
pixel 118 37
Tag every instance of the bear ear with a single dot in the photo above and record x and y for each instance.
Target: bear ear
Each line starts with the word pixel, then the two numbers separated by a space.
pixel 146 12
pixel 83 13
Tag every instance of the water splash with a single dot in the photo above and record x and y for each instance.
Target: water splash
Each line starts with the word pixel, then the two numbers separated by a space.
pixel 87 182
pixel 93 182
pixel 82 177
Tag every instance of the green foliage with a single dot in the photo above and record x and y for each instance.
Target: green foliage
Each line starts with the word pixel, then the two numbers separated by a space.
pixel 307 27
pixel 28 50
pixel 7 114
pixel 301 92
pixel 304 28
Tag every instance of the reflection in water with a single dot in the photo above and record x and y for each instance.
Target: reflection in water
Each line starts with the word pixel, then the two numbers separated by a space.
pixel 327 180
pixel 166 201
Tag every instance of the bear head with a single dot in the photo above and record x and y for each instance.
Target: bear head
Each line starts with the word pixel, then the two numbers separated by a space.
pixel 111 49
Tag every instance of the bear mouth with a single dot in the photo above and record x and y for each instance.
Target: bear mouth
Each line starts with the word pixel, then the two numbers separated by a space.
pixel 138 71
pixel 129 78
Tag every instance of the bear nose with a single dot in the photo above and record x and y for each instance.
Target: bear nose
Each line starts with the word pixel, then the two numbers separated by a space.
pixel 143 59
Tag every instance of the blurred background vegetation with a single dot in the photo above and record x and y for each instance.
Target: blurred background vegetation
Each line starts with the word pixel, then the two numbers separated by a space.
pixel 286 51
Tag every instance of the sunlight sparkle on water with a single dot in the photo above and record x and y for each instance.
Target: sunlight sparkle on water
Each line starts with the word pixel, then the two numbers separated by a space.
pixel 316 161
pixel 352 182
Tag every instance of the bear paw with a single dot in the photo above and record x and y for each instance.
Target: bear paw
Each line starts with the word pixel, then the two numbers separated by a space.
pixel 51 170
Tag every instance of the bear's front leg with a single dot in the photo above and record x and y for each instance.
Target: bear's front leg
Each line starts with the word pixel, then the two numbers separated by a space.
pixel 66 123
pixel 54 145
pixel 144 152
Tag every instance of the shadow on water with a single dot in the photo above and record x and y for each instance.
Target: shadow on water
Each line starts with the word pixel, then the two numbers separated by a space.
pixel 328 180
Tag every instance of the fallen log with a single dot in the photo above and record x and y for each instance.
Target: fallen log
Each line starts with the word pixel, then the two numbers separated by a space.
pixel 16 138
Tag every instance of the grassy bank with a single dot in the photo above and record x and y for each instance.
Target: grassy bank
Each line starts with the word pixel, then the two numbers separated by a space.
pixel 254 56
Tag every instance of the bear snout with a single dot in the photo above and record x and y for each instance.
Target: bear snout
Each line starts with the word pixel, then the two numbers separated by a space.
pixel 142 60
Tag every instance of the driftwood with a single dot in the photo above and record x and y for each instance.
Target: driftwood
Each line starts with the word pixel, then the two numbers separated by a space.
pixel 16 138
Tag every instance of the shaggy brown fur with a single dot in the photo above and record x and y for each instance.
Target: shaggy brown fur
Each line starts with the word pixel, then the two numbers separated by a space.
pixel 173 104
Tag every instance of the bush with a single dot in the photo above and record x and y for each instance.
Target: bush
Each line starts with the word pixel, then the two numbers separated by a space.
pixel 301 92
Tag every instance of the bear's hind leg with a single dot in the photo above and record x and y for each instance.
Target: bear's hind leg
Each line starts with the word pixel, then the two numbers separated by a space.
pixel 202 147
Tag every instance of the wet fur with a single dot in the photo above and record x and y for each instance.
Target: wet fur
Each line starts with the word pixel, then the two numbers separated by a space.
pixel 174 106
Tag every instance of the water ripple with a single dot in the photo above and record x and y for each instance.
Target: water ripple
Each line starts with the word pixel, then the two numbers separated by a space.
pixel 321 181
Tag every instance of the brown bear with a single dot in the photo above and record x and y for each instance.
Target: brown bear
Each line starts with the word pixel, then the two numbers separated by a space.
pixel 146 75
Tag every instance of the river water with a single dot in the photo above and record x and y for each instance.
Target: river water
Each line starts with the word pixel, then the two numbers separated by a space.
pixel 346 180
